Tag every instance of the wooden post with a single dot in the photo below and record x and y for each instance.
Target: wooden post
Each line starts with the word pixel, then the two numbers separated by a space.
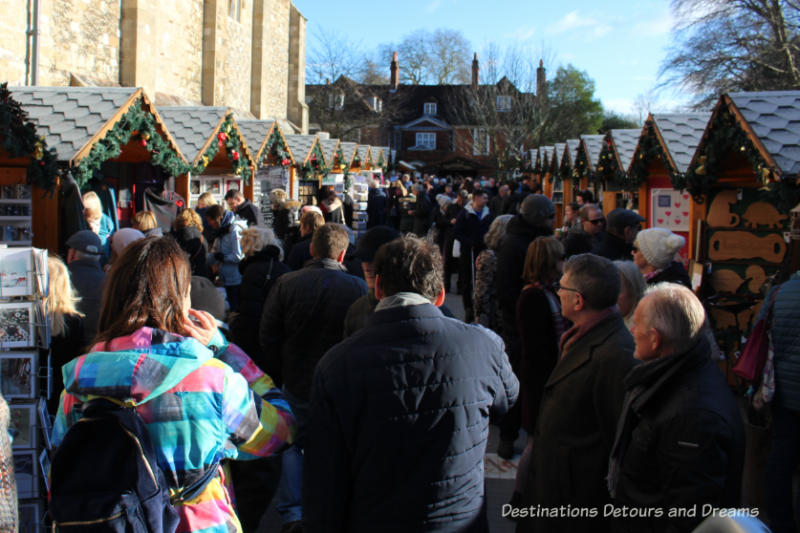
pixel 609 201
pixel 182 186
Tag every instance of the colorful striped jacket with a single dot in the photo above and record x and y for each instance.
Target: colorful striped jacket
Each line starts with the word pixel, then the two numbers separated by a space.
pixel 196 404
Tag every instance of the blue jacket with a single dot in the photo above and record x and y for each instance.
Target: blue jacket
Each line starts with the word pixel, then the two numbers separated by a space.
pixel 786 342
pixel 399 419
pixel 228 240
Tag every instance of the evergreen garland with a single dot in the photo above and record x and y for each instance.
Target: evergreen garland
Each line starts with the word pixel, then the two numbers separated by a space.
pixel 314 164
pixel 228 138
pixel 581 168
pixel 276 153
pixel 136 119
pixel 648 149
pixel 20 140
pixel 608 168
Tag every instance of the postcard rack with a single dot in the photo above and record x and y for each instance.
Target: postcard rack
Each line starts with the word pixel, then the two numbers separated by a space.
pixel 25 375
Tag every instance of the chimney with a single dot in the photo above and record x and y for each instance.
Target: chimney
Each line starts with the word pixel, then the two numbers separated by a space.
pixel 395 72
pixel 475 72
pixel 541 83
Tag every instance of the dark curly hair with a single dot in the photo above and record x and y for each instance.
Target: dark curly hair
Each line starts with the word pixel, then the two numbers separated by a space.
pixel 410 264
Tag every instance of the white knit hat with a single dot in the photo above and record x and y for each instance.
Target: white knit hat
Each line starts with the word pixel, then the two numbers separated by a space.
pixel 659 246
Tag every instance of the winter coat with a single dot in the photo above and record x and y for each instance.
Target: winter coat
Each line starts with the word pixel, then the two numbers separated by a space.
pixel 198 407
pixel 487 312
pixel 508 280
pixel 613 248
pixel 88 279
pixel 300 254
pixel 191 241
pixel 470 229
pixel 399 419
pixel 680 441
pixel 376 208
pixel 303 317
pixel 228 243
pixel 63 349
pixel 674 273
pixel 576 425
pixel 259 272
pixel 786 342
pixel 249 213
pixel 577 241
pixel 422 214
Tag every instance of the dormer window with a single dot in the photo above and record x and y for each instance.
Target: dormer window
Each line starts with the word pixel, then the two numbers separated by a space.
pixel 503 103
pixel 377 104
pixel 429 109
pixel 336 100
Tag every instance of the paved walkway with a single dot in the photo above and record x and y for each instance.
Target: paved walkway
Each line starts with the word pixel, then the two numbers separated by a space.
pixel 500 473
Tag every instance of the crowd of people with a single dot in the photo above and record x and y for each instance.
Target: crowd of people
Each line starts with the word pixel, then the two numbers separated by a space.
pixel 362 404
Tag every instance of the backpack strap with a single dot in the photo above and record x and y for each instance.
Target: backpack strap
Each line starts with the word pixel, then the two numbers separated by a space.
pixel 190 491
pixel 269 274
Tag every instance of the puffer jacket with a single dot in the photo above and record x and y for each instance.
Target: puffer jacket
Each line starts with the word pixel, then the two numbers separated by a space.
pixel 198 409
pixel 399 419
pixel 786 342
pixel 228 240
pixel 304 317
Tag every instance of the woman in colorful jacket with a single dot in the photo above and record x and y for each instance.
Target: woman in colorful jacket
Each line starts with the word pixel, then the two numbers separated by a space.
pixel 196 393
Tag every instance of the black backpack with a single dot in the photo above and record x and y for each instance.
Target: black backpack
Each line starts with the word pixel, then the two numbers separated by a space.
pixel 105 478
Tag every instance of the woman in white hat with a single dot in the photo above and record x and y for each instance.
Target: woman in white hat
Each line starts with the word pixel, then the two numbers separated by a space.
pixel 654 253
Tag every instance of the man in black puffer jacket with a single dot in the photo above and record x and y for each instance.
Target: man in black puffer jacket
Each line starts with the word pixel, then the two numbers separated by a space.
pixel 536 217
pixel 400 410
pixel 303 317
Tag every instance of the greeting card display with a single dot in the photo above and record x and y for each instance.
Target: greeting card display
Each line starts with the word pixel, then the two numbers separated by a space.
pixel 25 471
pixel 17 376
pixel 45 422
pixel 17 325
pixel 30 516
pixel 16 272
pixel 670 209
pixel 23 422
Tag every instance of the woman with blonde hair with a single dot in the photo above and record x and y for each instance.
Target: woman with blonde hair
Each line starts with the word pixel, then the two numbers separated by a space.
pixel 145 221
pixel 66 323
pixel 98 222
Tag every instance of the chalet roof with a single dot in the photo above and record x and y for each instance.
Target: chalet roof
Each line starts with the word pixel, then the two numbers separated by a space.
pixel 571 150
pixel 774 117
pixel 558 151
pixel 546 153
pixel 365 153
pixel 329 148
pixel 69 118
pixel 300 146
pixel 349 150
pixel 594 145
pixel 387 153
pixel 193 127
pixel 625 142
pixel 681 133
pixel 255 133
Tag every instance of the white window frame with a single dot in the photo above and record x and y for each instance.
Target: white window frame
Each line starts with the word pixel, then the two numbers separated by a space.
pixel 377 104
pixel 430 109
pixel 425 140
pixel 503 103
pixel 336 100
pixel 478 133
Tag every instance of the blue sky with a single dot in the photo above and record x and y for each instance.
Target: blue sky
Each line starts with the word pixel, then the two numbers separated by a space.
pixel 619 43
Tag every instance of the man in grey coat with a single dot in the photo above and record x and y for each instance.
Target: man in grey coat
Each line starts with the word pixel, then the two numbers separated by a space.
pixel 566 484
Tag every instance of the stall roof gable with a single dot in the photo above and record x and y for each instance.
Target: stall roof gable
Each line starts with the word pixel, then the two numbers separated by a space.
pixel 774 118
pixel 594 145
pixel 571 150
pixel 300 146
pixel 681 134
pixel 387 154
pixel 329 148
pixel 365 152
pixel 193 127
pixel 625 142
pixel 256 133
pixel 349 150
pixel 70 118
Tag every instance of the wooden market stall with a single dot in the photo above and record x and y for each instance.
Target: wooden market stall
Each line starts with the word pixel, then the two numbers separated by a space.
pixel 334 163
pixel 568 172
pixel 268 147
pixel 308 168
pixel 612 169
pixel 663 152
pixel 350 151
pixel 554 185
pixel 384 160
pixel 109 139
pixel 218 155
pixel 743 177
pixel 542 165
pixel 585 165
pixel 365 156
pixel 28 180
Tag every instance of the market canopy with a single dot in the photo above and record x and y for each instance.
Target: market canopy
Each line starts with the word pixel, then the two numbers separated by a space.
pixel 334 158
pixel 87 126
pixel 616 155
pixel 306 153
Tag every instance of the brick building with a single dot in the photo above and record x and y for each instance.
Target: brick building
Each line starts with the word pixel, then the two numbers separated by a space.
pixel 468 129
pixel 245 54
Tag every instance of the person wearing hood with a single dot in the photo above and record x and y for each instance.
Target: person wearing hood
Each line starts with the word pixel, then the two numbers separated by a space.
pixel 536 217
pixel 187 228
pixel 376 205
pixel 227 250
pixel 654 253
pixel 202 399
pixel 471 225
pixel 332 207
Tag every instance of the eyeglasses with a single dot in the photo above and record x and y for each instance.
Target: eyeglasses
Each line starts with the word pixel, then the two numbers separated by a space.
pixel 560 287
pixel 597 221
pixel 634 249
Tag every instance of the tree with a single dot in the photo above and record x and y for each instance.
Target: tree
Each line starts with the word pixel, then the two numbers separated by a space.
pixel 333 55
pixel 614 121
pixel 572 108
pixel 734 45
pixel 440 57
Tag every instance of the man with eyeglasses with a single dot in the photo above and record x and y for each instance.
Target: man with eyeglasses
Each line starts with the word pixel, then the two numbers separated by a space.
pixel 589 234
pixel 581 404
